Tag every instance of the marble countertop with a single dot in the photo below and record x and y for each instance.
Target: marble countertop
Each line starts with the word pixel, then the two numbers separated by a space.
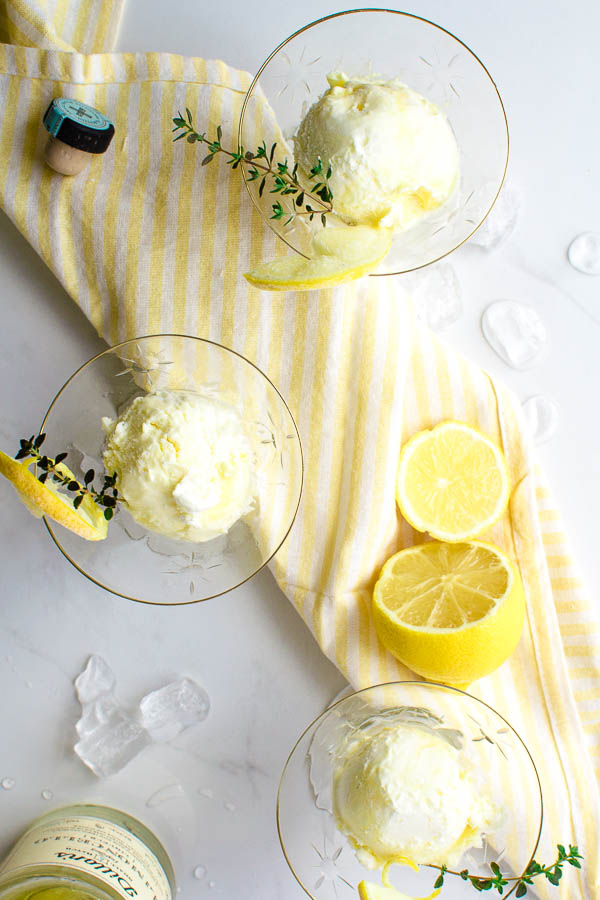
pixel 261 667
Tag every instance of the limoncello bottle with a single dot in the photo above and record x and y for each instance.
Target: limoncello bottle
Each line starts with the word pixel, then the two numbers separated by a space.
pixel 87 852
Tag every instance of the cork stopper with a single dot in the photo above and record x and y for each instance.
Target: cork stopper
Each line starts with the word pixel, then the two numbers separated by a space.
pixel 77 132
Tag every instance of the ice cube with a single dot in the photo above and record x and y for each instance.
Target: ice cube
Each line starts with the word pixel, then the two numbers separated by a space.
pixel 500 222
pixel 541 414
pixel 584 253
pixel 436 294
pixel 108 736
pixel 96 713
pixel 515 332
pixel 110 746
pixel 96 679
pixel 168 710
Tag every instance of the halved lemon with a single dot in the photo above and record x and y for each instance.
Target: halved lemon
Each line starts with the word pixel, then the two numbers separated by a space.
pixel 452 482
pixel 45 500
pixel 450 612
pixel 338 255
pixel 370 890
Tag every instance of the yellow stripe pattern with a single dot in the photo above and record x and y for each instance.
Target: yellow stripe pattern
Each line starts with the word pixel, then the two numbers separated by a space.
pixel 148 240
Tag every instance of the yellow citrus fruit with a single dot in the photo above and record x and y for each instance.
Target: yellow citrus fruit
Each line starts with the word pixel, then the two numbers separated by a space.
pixel 369 890
pixel 452 482
pixel 450 612
pixel 338 255
pixel 45 500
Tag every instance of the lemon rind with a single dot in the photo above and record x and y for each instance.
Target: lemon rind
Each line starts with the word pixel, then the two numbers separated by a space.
pixel 258 279
pixel 49 502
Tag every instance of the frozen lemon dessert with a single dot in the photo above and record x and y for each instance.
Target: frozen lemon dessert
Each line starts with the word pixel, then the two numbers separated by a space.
pixel 405 793
pixel 392 152
pixel 183 464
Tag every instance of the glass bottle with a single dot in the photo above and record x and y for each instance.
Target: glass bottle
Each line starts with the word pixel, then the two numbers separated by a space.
pixel 87 852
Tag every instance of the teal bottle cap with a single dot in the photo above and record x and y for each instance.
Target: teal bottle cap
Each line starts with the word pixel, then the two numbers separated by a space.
pixel 78 125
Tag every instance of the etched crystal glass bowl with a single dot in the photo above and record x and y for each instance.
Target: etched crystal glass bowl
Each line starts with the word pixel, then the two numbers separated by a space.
pixel 322 858
pixel 141 565
pixel 426 58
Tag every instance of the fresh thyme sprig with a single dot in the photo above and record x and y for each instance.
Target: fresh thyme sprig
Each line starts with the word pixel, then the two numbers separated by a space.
pixel 107 496
pixel 260 166
pixel 498 881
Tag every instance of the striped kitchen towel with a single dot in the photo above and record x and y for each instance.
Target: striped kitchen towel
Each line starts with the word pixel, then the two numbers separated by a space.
pixel 146 240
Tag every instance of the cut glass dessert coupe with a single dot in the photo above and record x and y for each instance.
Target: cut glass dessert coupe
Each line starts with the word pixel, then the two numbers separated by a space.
pixel 424 57
pixel 142 564
pixel 494 759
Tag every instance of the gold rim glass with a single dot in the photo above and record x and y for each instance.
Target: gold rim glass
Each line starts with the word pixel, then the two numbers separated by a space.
pixel 133 562
pixel 321 857
pixel 426 58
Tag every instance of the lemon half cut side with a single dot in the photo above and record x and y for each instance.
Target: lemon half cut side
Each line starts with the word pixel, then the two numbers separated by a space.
pixel 338 255
pixel 46 500
pixel 452 482
pixel 450 612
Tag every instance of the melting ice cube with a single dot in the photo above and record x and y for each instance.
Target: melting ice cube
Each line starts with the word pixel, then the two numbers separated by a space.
pixel 110 746
pixel 436 294
pixel 170 709
pixel 500 222
pixel 541 414
pixel 96 679
pixel 165 794
pixel 515 332
pixel 96 713
pixel 584 253
pixel 109 737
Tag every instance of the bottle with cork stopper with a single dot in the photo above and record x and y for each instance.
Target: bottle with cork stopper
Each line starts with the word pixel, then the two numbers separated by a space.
pixel 76 132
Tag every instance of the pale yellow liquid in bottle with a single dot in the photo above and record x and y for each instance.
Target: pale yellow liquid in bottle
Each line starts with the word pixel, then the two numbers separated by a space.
pixel 87 852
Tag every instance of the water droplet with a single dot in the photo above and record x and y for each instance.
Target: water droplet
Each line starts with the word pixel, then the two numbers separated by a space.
pixel 47 794
pixel 541 414
pixel 7 784
pixel 206 792
pixel 163 794
pixel 229 805
pixel 584 253
pixel 199 872
pixel 211 884
pixel 179 829
pixel 515 332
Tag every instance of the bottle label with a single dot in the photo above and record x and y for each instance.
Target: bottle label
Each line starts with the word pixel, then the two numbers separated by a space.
pixel 107 851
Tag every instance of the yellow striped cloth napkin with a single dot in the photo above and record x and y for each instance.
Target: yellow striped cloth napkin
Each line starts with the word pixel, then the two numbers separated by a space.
pixel 147 240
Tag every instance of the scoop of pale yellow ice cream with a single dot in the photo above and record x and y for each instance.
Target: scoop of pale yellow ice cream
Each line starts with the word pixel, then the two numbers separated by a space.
pixel 183 464
pixel 405 792
pixel 392 152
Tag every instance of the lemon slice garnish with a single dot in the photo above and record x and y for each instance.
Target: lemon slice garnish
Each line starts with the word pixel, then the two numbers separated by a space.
pixel 338 255
pixel 370 890
pixel 452 482
pixel 450 612
pixel 45 500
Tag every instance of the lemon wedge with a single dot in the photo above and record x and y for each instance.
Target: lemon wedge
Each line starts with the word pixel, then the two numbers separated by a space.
pixel 370 890
pixel 452 482
pixel 338 255
pixel 45 500
pixel 450 612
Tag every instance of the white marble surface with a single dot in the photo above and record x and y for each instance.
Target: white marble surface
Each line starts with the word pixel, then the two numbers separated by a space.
pixel 265 674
